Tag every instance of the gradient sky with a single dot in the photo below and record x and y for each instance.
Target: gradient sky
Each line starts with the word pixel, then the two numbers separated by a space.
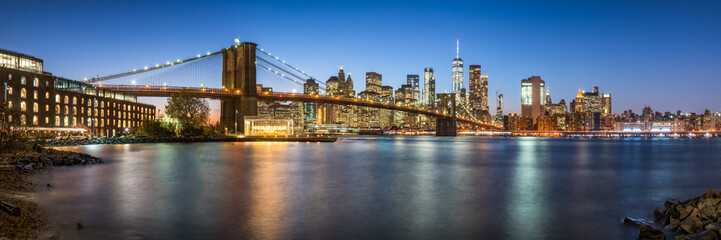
pixel 663 53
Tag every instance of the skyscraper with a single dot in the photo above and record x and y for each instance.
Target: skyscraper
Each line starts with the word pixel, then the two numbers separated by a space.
pixel 373 82
pixel 606 105
pixel 474 90
pixel 350 92
pixel 429 88
pixel 484 93
pixel 412 80
pixel 310 109
pixel 499 109
pixel 457 75
pixel 532 97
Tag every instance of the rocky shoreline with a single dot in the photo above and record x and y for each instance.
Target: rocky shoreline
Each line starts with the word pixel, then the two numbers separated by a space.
pixel 696 218
pixel 20 217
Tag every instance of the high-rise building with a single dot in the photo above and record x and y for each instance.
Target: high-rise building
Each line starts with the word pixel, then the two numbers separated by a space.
pixel 474 89
pixel 349 87
pixel 373 82
pixel 412 80
pixel 310 109
pixel 532 97
pixel 484 93
pixel 499 109
pixel 606 105
pixel 591 101
pixel 548 97
pixel 429 88
pixel 577 104
pixel 386 115
pixel 457 75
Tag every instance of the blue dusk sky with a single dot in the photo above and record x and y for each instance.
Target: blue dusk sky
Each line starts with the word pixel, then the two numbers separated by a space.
pixel 663 53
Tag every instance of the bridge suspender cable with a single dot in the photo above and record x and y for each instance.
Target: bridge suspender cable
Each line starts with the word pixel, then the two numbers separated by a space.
pixel 283 75
pixel 281 69
pixel 283 62
pixel 148 69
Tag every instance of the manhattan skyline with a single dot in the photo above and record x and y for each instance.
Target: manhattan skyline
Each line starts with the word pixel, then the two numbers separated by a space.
pixel 642 53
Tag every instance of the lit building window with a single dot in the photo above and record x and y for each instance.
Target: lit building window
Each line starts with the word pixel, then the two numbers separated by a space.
pixel 23 120
pixel 67 100
pixel 35 120
pixel 65 121
pixel 57 109
pixel 35 94
pixel 75 100
pixel 23 93
pixel 75 123
pixel 47 120
pixel 22 80
pixel 22 106
pixel 57 120
pixel 47 95
pixel 35 82
pixel 10 77
pixel 47 107
pixel 35 107
pixel 75 111
pixel 66 110
pixel 57 98
pixel 10 91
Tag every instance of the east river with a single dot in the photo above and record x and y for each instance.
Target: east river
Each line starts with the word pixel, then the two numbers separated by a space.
pixel 384 187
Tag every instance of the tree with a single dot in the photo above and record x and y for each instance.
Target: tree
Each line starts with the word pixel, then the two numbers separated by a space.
pixel 190 110
pixel 155 129
pixel 12 130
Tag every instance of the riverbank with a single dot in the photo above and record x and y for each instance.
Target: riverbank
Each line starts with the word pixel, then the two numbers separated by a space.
pixel 21 217
pixel 77 142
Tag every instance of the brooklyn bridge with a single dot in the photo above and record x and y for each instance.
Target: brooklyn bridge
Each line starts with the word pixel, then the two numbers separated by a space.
pixel 239 95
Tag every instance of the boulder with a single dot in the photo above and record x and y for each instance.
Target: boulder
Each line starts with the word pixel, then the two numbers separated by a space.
pixel 705 235
pixel 634 221
pixel 692 224
pixel 713 226
pixel 647 232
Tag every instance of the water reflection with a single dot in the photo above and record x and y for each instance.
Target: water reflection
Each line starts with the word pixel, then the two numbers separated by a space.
pixel 377 188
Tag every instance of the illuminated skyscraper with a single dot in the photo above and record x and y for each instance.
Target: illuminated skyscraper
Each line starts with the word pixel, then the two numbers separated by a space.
pixel 412 80
pixel 457 76
pixel 606 105
pixel 429 88
pixel 532 97
pixel 474 88
pixel 499 109
pixel 310 109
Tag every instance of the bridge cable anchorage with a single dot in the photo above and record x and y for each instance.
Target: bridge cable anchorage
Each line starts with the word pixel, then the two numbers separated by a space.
pixel 148 69
pixel 283 62
pixel 283 75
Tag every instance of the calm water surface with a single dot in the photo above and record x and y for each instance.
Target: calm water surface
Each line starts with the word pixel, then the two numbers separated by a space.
pixel 377 188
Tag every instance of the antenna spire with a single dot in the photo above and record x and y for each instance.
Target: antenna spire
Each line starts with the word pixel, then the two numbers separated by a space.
pixel 457 47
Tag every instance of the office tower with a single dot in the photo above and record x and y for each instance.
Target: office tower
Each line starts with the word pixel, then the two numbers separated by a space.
pixel 412 80
pixel 532 97
pixel 548 97
pixel 499 109
pixel 350 92
pixel 457 75
pixel 578 103
pixel 310 109
pixel 474 89
pixel 484 93
pixel 373 82
pixel 591 101
pixel 606 105
pixel 429 88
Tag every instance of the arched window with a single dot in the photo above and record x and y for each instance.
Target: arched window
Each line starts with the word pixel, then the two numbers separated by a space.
pixel 57 120
pixel 35 82
pixel 66 110
pixel 22 106
pixel 75 111
pixel 23 93
pixel 47 95
pixel 57 98
pixel 35 94
pixel 65 121
pixel 23 120
pixel 22 80
pixel 57 110
pixel 66 100
pixel 47 107
pixel 10 104
pixel 35 107
pixel 102 122
pixel 10 90
pixel 75 100
pixel 47 120
pixel 35 120
pixel 102 104
pixel 75 123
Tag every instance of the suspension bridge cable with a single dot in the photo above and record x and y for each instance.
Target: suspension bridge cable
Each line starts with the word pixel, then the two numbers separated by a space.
pixel 281 69
pixel 283 75
pixel 148 69
pixel 283 62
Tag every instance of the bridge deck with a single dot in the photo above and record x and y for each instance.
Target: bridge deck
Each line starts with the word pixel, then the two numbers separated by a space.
pixel 165 91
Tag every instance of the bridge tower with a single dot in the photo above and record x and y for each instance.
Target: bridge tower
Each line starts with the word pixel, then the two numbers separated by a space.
pixel 239 75
pixel 446 126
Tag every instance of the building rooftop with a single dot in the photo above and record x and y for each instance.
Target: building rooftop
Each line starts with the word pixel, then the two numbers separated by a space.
pixel 17 54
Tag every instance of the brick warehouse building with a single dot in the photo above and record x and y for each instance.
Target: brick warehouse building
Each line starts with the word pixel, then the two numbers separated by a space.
pixel 50 104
